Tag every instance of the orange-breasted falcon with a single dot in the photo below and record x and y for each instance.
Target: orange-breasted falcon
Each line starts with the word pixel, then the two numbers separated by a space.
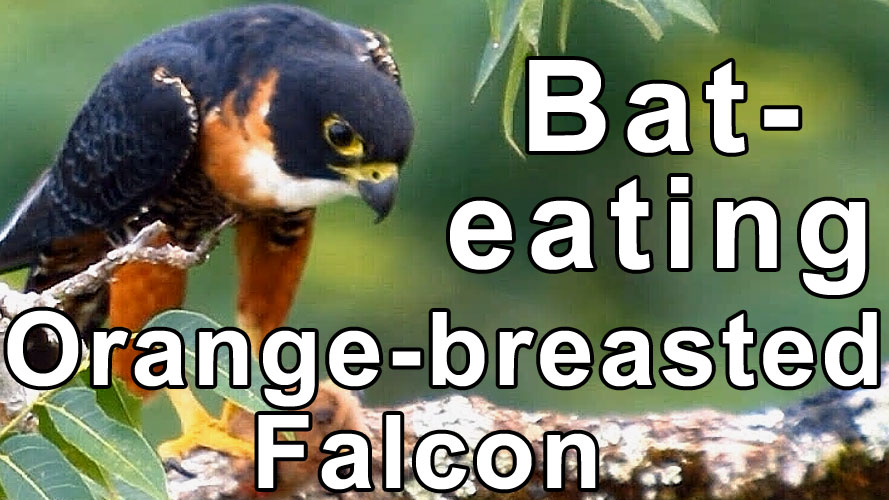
pixel 265 112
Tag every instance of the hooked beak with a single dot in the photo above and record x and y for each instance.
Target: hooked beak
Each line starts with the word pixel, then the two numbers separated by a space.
pixel 379 195
pixel 377 184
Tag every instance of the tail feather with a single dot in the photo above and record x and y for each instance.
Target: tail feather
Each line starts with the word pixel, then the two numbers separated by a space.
pixel 28 230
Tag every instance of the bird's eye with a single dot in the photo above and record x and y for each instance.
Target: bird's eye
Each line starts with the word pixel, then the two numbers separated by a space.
pixel 342 137
pixel 340 134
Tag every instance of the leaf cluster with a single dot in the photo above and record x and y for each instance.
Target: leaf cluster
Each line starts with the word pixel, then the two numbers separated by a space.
pixel 89 442
pixel 519 23
pixel 89 445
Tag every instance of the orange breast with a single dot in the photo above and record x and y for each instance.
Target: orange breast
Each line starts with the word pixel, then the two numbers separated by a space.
pixel 227 140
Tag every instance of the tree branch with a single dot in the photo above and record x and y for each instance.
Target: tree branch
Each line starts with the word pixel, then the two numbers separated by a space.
pixel 14 397
pixel 835 445
pixel 830 446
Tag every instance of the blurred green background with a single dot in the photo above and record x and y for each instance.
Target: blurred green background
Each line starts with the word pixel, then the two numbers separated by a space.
pixel 827 56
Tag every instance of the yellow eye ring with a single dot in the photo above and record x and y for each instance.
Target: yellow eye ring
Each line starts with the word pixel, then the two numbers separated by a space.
pixel 342 137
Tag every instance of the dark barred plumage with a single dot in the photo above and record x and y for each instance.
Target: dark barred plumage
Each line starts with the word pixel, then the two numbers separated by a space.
pixel 260 112
pixel 380 53
pixel 189 209
pixel 130 156
pixel 138 130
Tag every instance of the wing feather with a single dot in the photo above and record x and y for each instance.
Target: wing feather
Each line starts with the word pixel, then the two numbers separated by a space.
pixel 132 137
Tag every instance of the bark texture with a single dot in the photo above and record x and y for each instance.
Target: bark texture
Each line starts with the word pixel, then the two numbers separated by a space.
pixel 833 446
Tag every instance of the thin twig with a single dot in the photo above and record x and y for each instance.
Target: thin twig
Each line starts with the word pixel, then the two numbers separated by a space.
pixel 139 249
pixel 12 425
pixel 16 400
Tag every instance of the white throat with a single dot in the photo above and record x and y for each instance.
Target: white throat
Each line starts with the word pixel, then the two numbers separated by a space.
pixel 269 182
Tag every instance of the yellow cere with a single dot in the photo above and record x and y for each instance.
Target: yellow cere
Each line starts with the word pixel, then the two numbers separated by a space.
pixel 372 172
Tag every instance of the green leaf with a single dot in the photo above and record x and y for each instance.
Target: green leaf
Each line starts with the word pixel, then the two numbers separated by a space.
pixel 564 21
pixel 643 14
pixel 99 492
pixel 496 45
pixel 527 16
pixel 32 468
pixel 187 323
pixel 83 463
pixel 529 22
pixel 520 49
pixel 659 12
pixel 120 404
pixel 127 491
pixel 495 13
pixel 694 11
pixel 120 450
pixel 884 2
pixel 117 401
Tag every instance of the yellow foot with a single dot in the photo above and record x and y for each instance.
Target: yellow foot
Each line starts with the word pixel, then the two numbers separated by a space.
pixel 200 430
pixel 211 435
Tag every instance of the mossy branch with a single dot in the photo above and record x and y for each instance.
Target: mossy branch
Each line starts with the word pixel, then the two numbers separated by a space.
pixel 831 446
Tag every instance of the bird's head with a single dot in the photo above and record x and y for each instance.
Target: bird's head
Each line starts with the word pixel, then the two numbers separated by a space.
pixel 343 126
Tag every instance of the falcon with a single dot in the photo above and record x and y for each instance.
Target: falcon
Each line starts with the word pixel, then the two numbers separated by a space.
pixel 263 113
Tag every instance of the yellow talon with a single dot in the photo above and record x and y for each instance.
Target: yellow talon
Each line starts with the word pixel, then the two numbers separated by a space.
pixel 201 430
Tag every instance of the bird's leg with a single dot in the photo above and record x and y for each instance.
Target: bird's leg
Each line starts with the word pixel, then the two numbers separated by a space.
pixel 272 253
pixel 269 274
pixel 138 292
